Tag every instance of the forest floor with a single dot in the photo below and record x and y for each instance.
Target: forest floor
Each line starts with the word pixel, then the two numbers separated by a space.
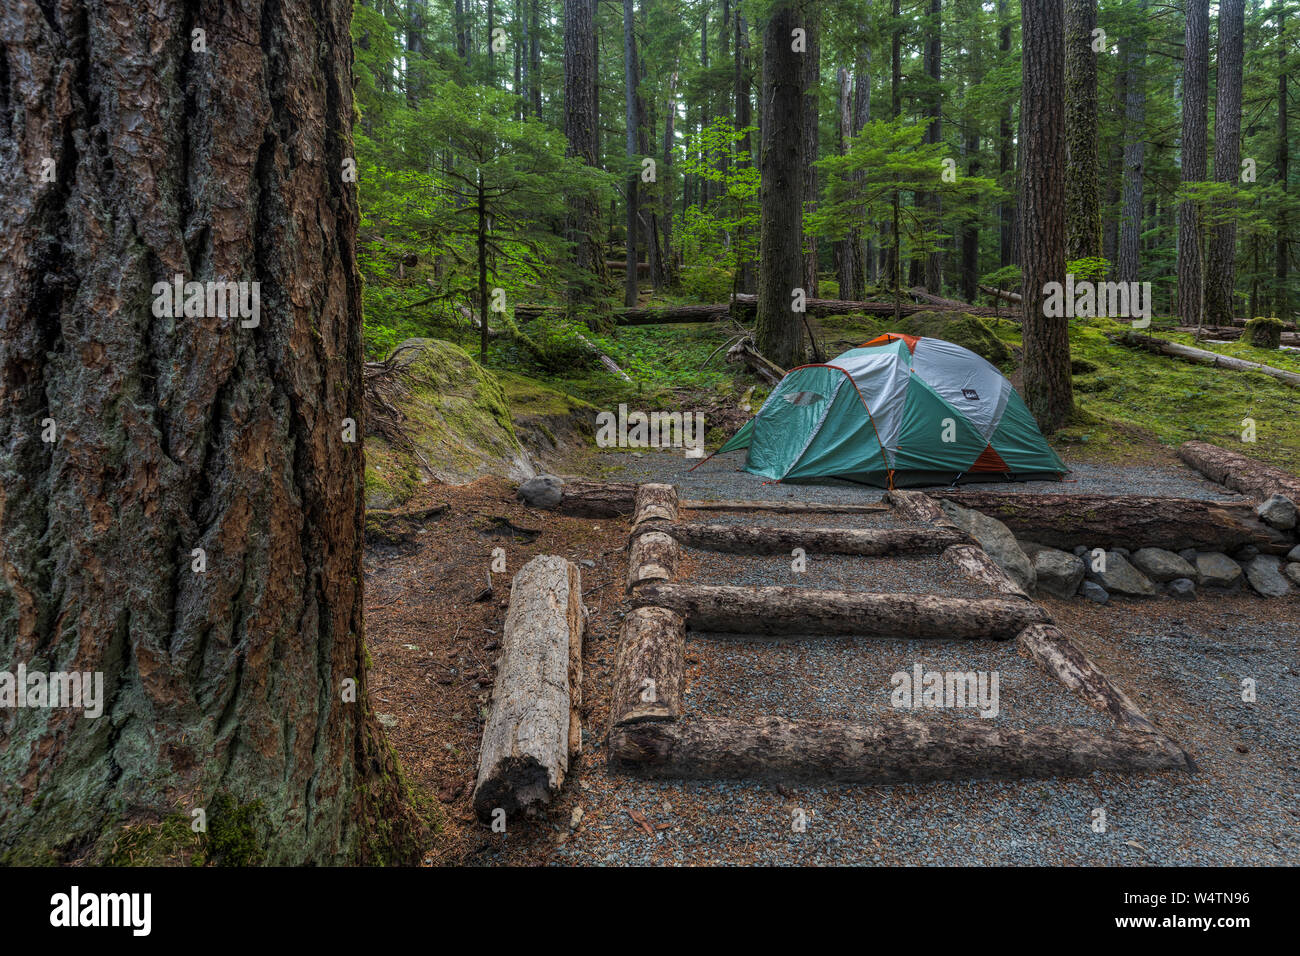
pixel 434 645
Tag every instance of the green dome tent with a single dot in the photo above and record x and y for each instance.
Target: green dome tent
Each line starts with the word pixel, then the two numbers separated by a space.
pixel 900 410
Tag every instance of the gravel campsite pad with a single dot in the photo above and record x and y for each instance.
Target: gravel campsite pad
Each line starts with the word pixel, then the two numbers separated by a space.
pixel 1182 663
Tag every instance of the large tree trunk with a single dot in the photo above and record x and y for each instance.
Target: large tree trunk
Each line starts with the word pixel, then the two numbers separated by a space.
pixel 1006 156
pixel 1048 388
pixel 1134 56
pixel 778 332
pixel 1196 65
pixel 846 249
pixel 933 274
pixel 580 130
pixel 193 530
pixel 1221 269
pixel 1082 205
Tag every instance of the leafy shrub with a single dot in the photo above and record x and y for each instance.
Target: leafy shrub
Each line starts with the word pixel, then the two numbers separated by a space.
pixel 706 283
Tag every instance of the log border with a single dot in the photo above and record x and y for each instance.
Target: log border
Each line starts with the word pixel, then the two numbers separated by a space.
pixel 659 739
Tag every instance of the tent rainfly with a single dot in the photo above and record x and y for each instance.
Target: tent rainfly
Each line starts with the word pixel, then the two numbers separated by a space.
pixel 900 410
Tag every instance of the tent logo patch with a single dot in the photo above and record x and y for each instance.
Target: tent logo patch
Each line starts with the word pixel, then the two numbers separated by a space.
pixel 970 394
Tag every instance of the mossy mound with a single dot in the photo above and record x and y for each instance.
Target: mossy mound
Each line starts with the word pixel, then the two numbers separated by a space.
pixel 961 328
pixel 552 425
pixel 456 417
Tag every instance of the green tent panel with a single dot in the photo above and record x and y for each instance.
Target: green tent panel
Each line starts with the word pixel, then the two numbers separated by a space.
pixel 900 410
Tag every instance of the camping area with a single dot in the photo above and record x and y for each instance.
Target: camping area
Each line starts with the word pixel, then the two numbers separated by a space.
pixel 682 433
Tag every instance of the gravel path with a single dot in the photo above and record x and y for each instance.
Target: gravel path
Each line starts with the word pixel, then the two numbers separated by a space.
pixel 1182 663
pixel 722 477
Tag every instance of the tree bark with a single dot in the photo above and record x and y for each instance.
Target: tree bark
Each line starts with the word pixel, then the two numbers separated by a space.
pixel 1221 269
pixel 895 749
pixel 1196 66
pixel 1047 382
pixel 846 249
pixel 745 282
pixel 633 174
pixel 1124 521
pixel 811 65
pixel 1281 247
pixel 1238 472
pixel 975 563
pixel 1134 55
pixel 797 610
pixel 654 502
pixel 1006 155
pixel 777 331
pixel 649 680
pixel 180 433
pixel 652 556
pixel 597 499
pixel 529 736
pixel 580 130
pixel 1082 203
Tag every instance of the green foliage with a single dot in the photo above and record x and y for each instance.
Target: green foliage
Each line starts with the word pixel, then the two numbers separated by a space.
pixel 707 283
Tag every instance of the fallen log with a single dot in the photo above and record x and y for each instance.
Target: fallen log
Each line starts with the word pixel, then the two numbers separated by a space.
pixel 609 364
pixel 874 542
pixel 654 502
pixel 975 563
pixel 781 507
pixel 744 352
pixel 897 749
pixel 919 507
pixel 809 611
pixel 1238 472
pixel 746 306
pixel 533 725
pixel 649 667
pixel 1229 332
pixel 597 499
pixel 1013 297
pixel 1124 521
pixel 1057 654
pixel 921 295
pixel 652 556
pixel 1202 357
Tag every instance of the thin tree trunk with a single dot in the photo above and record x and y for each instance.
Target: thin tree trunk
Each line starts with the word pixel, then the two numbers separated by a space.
pixel 1283 298
pixel 1006 156
pixel 1196 60
pixel 1047 384
pixel 1134 54
pixel 634 174
pixel 778 332
pixel 193 530
pixel 811 136
pixel 745 282
pixel 934 130
pixel 846 265
pixel 1221 270
pixel 1082 205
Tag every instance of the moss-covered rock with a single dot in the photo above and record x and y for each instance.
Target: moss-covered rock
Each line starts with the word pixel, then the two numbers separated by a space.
pixel 456 416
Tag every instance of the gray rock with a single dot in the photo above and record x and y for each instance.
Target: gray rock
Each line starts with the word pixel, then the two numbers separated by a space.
pixel 1293 572
pixel 1120 577
pixel 1265 576
pixel 544 491
pixel 1057 572
pixel 1030 548
pixel 1182 589
pixel 1124 553
pixel 1188 555
pixel 1080 550
pixel 1094 592
pixel 1279 511
pixel 1294 554
pixel 1215 570
pixel 1161 565
pixel 995 538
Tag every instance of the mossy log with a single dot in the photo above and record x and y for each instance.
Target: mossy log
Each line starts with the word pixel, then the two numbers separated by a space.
pixel 1124 521
pixel 809 611
pixel 1161 346
pixel 896 749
